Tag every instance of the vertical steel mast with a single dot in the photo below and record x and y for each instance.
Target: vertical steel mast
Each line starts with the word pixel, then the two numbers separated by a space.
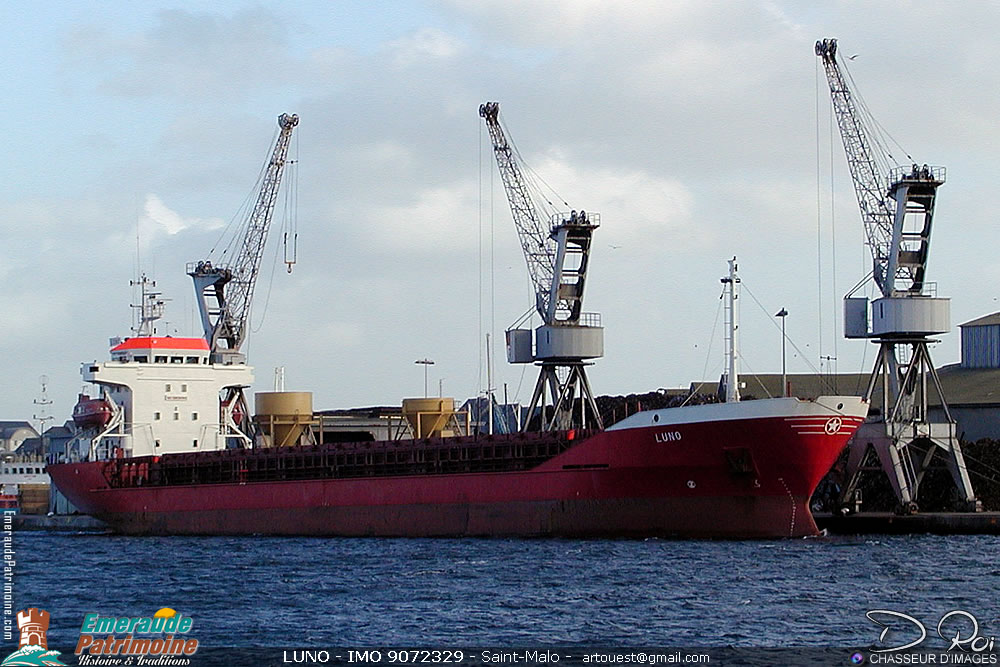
pixel 558 255
pixel 731 295
pixel 897 210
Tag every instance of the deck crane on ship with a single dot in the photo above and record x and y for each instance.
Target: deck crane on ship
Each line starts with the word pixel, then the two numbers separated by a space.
pixel 897 210
pixel 557 252
pixel 224 290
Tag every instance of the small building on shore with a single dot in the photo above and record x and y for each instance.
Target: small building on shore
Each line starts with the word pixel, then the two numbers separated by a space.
pixel 13 434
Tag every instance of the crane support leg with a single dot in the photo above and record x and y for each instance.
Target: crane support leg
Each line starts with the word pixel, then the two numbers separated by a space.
pixel 564 395
pixel 902 435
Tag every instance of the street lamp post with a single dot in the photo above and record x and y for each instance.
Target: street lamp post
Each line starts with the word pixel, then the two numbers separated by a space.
pixel 784 378
pixel 425 363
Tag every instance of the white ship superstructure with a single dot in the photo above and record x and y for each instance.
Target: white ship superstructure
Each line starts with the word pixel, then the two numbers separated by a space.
pixel 165 397
pixel 159 395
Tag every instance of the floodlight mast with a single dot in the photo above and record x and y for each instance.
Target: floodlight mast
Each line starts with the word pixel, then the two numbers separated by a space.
pixel 557 253
pixel 897 210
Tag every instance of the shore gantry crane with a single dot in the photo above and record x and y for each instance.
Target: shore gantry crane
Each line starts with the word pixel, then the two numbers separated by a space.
pixel 897 210
pixel 557 252
pixel 224 289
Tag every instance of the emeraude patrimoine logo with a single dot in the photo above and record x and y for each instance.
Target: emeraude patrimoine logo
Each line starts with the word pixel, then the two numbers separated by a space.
pixel 33 648
pixel 166 634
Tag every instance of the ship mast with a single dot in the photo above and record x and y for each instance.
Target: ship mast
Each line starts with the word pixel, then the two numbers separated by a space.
pixel 150 306
pixel 732 283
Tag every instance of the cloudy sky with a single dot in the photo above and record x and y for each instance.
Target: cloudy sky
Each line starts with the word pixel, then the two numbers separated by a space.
pixel 699 131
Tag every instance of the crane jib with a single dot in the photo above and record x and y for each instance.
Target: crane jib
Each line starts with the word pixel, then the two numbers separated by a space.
pixel 225 293
pixel 896 207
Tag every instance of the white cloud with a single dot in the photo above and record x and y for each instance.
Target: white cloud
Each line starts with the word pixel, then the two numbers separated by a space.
pixel 424 44
pixel 439 220
pixel 159 218
pixel 189 54
pixel 638 209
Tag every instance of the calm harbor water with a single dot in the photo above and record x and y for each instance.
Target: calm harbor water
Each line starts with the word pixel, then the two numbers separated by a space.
pixel 302 592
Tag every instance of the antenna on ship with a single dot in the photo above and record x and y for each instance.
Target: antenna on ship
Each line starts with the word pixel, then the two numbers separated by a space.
pixel 150 306
pixel 732 282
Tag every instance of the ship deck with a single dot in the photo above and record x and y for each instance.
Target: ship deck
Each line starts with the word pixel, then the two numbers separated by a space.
pixel 345 460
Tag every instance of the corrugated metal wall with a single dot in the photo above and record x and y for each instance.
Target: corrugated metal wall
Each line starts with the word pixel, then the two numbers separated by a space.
pixel 981 346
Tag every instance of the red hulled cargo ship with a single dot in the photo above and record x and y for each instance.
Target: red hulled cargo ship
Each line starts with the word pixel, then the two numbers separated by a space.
pixel 729 470
pixel 177 455
pixel 167 447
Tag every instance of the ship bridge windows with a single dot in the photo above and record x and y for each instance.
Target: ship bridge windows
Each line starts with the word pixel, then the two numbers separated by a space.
pixel 177 360
pixel 191 360
pixel 160 359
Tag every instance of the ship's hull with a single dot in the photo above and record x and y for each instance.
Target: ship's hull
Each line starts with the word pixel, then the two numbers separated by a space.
pixel 707 471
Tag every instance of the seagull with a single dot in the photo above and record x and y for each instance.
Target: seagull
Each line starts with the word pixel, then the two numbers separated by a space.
pixel 614 247
pixel 854 56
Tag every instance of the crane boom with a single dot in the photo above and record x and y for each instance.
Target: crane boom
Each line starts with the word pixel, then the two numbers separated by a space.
pixel 536 242
pixel 877 211
pixel 231 286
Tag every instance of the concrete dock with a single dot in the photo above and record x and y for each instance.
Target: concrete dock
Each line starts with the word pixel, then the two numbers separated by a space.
pixel 59 522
